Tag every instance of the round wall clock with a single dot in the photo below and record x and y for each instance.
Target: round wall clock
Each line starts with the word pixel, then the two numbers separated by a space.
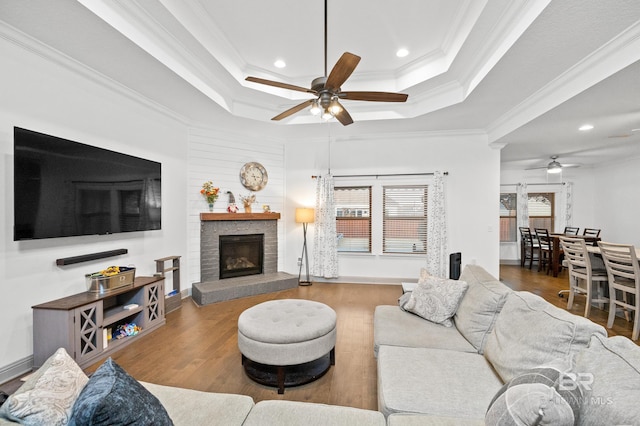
pixel 253 176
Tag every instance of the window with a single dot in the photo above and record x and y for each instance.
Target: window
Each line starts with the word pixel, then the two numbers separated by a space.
pixel 353 218
pixel 404 226
pixel 508 218
pixel 541 208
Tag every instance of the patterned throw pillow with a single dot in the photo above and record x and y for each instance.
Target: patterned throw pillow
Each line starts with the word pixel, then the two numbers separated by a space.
pixel 436 299
pixel 112 397
pixel 48 395
pixel 544 395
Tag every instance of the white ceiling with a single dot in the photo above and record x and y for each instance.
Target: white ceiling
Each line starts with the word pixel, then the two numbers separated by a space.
pixel 527 73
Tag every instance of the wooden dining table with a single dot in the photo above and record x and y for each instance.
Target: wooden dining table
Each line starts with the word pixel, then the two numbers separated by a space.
pixel 555 253
pixel 596 250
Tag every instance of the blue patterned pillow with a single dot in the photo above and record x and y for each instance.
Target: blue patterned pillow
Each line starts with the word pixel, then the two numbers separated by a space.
pixel 113 397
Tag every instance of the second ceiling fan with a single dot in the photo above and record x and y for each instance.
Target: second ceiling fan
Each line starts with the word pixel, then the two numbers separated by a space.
pixel 327 89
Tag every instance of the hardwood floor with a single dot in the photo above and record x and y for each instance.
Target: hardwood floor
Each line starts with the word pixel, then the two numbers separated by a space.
pixel 197 348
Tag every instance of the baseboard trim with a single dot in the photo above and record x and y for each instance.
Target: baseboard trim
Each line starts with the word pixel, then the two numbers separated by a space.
pixel 16 369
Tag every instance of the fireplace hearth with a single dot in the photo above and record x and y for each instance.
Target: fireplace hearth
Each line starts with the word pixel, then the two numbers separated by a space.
pixel 241 255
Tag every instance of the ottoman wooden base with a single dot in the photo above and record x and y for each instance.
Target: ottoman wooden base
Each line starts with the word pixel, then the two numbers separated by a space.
pixel 282 376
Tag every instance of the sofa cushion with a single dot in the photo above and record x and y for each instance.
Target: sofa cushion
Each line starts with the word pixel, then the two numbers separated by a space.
pixel 192 407
pixel 437 382
pixel 610 371
pixel 530 332
pixel 278 412
pixel 545 395
pixel 407 419
pixel 480 306
pixel 436 299
pixel 48 395
pixel 394 327
pixel 112 397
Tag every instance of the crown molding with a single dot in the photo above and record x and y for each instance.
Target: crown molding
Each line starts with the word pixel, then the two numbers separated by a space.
pixel 54 56
pixel 618 53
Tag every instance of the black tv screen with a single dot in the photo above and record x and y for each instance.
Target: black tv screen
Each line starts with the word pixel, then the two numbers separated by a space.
pixel 64 188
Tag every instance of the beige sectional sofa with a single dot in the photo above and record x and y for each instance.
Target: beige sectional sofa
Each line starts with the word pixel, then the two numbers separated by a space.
pixel 509 352
pixel 59 393
pixel 495 364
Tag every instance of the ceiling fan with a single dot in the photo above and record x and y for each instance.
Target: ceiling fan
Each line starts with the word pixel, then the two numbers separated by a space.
pixel 327 89
pixel 554 166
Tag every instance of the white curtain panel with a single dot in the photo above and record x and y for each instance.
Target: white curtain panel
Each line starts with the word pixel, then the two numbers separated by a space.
pixel 325 241
pixel 522 205
pixel 567 214
pixel 437 259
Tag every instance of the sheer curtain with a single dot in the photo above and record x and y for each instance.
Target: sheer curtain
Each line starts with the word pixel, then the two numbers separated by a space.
pixel 523 205
pixel 325 242
pixel 566 206
pixel 437 228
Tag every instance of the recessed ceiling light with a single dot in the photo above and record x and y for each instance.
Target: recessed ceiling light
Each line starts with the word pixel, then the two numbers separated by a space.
pixel 585 127
pixel 279 63
pixel 401 53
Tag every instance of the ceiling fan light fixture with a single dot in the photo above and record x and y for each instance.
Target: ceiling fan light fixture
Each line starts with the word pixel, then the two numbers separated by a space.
pixel 326 115
pixel 335 107
pixel 315 108
pixel 554 167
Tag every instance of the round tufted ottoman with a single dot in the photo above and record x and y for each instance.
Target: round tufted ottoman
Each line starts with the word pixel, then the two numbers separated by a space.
pixel 287 342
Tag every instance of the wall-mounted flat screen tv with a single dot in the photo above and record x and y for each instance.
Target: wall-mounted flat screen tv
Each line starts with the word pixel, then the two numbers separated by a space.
pixel 64 188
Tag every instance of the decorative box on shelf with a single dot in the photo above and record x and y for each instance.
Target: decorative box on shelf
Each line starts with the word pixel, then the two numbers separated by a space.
pixel 106 281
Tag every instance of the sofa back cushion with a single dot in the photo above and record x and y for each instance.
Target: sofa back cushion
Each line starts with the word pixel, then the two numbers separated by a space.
pixel 530 332
pixel 481 305
pixel 610 371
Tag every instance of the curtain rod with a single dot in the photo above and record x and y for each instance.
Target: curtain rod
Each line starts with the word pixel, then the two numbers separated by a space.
pixel 531 184
pixel 385 175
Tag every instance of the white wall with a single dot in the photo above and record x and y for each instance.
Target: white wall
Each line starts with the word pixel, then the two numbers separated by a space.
pixel 54 99
pixel 472 188
pixel 616 201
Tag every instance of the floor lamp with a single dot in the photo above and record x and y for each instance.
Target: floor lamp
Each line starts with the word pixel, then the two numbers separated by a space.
pixel 304 216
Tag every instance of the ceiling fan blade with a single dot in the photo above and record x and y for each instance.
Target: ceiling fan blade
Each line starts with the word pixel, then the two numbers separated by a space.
pixel 342 70
pixel 293 110
pixel 374 96
pixel 563 166
pixel 344 117
pixel 280 85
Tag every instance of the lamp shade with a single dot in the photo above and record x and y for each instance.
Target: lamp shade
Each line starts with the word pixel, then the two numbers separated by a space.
pixel 304 215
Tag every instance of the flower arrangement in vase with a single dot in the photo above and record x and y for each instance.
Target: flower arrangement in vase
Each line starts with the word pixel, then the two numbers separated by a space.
pixel 247 201
pixel 210 193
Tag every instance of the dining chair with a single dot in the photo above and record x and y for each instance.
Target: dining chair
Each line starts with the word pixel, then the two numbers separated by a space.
pixel 623 271
pixel 581 270
pixel 571 230
pixel 546 249
pixel 591 232
pixel 529 249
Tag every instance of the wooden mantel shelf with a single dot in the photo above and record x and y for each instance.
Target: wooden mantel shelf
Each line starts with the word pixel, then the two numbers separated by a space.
pixel 239 216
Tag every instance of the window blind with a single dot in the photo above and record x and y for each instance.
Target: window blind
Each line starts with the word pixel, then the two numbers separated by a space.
pixel 404 226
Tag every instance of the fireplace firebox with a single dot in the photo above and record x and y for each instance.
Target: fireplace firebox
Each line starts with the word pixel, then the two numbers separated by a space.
pixel 241 255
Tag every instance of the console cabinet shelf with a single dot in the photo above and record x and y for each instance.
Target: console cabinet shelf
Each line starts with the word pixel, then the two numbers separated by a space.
pixel 79 323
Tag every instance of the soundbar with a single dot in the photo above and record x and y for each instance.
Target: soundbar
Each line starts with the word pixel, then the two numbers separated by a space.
pixel 90 256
